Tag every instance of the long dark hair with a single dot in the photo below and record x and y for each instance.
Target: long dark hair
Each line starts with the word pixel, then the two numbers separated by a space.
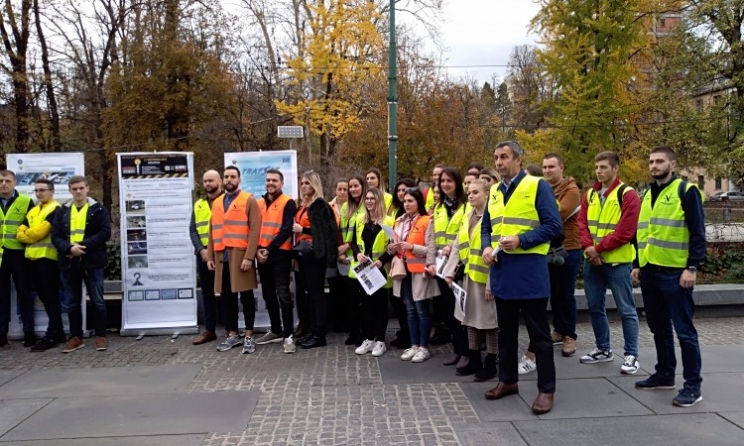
pixel 415 192
pixel 451 172
pixel 351 203
pixel 397 204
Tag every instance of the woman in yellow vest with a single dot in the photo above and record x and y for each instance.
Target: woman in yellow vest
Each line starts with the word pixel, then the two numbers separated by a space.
pixel 448 214
pixel 350 212
pixel 479 312
pixel 374 179
pixel 395 209
pixel 416 287
pixel 369 245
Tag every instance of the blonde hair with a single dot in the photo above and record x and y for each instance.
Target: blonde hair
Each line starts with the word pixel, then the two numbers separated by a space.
pixel 378 213
pixel 480 182
pixel 314 180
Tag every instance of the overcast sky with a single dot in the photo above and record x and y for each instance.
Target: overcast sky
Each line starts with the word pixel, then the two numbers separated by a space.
pixel 483 32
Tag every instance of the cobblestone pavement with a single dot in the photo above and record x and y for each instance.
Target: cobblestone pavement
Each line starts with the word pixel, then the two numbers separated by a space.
pixel 327 396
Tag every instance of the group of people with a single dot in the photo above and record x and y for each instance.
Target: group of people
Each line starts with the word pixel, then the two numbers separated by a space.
pixel 38 241
pixel 513 241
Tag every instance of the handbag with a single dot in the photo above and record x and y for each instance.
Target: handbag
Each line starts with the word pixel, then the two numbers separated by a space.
pixel 460 272
pixel 303 248
pixel 398 268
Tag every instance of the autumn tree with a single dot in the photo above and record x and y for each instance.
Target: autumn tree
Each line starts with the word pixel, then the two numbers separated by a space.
pixel 15 30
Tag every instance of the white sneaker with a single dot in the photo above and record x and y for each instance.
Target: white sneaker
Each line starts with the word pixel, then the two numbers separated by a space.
pixel 379 349
pixel 526 365
pixel 630 365
pixel 409 353
pixel 421 355
pixel 289 345
pixel 596 356
pixel 365 348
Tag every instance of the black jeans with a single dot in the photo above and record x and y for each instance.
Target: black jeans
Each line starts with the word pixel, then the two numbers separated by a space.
pixel 336 316
pixel 313 272
pixel 206 281
pixel 535 316
pixel 15 265
pixel 48 291
pixel 562 293
pixel 374 313
pixel 275 286
pixel 229 301
pixel 459 335
pixel 400 313
pixel 353 307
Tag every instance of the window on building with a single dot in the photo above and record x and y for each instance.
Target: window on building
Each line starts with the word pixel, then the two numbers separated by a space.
pixel 718 183
pixel 699 105
pixel 701 182
pixel 662 23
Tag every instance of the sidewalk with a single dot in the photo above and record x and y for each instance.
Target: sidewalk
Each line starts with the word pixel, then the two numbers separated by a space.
pixel 162 392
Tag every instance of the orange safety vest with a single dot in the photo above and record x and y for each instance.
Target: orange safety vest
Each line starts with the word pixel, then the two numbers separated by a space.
pixel 271 221
pixel 417 236
pixel 230 229
pixel 302 218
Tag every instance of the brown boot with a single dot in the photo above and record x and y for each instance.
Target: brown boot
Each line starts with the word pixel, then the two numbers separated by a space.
pixel 502 390
pixel 569 346
pixel 543 403
pixel 205 337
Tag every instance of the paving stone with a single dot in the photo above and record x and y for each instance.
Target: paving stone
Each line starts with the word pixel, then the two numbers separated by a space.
pixel 734 417
pixel 510 408
pixel 721 393
pixel 154 440
pixel 8 375
pixel 13 412
pixel 667 430
pixel 113 381
pixel 488 434
pixel 117 416
pixel 716 358
pixel 395 371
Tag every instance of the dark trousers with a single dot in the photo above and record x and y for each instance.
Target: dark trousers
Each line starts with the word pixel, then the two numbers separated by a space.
pixel 48 291
pixel 313 272
pixel 229 301
pixel 275 287
pixel 669 305
pixel 336 316
pixel 535 316
pixel 353 307
pixel 562 294
pixel 73 279
pixel 399 307
pixel 459 334
pixel 374 314
pixel 206 281
pixel 302 299
pixel 15 265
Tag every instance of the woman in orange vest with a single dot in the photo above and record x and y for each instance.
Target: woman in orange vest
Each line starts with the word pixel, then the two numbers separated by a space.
pixel 402 337
pixel 316 241
pixel 416 288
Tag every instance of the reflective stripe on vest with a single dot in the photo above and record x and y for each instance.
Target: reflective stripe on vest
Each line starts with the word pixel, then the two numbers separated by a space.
pixel 602 220
pixel 379 247
pixel 12 220
pixel 202 215
pixel 417 236
pixel 663 236
pixel 271 221
pixel 1 256
pixel 230 229
pixel 77 223
pixel 516 217
pixel 469 245
pixel 446 230
pixel 43 249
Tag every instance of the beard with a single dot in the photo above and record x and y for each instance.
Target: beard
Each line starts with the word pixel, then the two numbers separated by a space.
pixel 661 174
pixel 211 189
pixel 230 187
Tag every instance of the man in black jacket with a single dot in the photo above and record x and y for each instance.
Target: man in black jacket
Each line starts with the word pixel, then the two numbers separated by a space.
pixel 80 231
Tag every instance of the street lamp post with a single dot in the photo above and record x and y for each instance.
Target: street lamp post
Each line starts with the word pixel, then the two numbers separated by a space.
pixel 392 103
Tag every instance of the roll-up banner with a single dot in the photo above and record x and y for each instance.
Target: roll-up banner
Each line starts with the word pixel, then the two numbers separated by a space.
pixel 58 168
pixel 253 167
pixel 158 263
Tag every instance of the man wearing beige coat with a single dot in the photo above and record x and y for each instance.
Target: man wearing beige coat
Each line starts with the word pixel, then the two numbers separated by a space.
pixel 233 240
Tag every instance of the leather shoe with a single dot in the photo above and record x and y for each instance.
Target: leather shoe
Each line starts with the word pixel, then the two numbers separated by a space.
pixel 441 338
pixel 452 360
pixel 502 390
pixel 313 342
pixel 207 336
pixel 543 403
pixel 464 361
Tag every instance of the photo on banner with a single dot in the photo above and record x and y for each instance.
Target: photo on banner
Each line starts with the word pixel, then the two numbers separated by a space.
pixel 58 168
pixel 158 268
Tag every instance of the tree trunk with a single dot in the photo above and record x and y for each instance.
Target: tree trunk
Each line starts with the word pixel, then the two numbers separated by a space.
pixel 16 51
pixel 51 98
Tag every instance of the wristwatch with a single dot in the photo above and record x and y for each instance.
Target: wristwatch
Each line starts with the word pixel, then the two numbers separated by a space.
pixel 692 269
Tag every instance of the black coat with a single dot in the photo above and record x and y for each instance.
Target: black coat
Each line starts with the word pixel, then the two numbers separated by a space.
pixel 324 231
pixel 97 233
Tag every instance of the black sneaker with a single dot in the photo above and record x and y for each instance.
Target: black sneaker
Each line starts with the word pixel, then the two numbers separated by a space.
pixel 3 340
pixel 655 382
pixel 43 345
pixel 687 398
pixel 29 340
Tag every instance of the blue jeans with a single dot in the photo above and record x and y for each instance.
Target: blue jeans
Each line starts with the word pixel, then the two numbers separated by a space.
pixel 562 294
pixel 418 313
pixel 72 280
pixel 617 278
pixel 668 304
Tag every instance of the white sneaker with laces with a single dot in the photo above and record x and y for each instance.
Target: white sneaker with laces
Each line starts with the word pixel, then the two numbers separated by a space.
pixel 379 349
pixel 409 353
pixel 365 348
pixel 596 356
pixel 289 345
pixel 526 365
pixel 630 365
pixel 421 355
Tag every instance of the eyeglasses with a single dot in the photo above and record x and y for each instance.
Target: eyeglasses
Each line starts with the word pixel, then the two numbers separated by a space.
pixel 40 190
